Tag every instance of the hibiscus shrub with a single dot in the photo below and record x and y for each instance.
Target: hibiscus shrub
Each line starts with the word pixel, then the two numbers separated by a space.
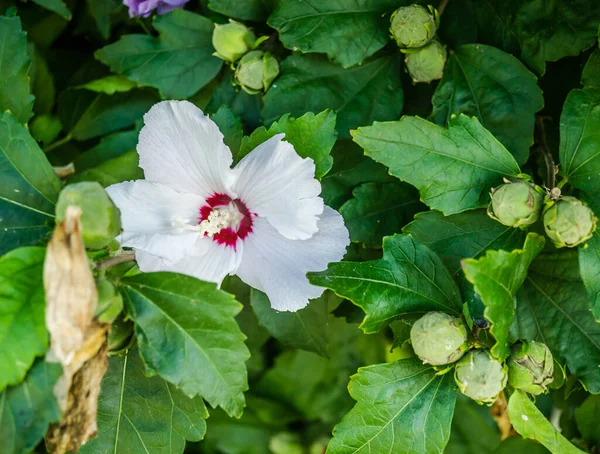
pixel 299 227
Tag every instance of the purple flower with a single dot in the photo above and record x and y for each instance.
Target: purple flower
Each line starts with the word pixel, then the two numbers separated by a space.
pixel 144 8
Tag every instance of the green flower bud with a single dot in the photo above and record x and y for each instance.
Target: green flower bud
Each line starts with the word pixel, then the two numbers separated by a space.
pixel 120 334
pixel 516 204
pixel 413 25
pixel 256 71
pixel 231 41
pixel 568 222
pixel 100 218
pixel 439 338
pixel 530 367
pixel 110 301
pixel 427 63
pixel 480 377
pixel 286 443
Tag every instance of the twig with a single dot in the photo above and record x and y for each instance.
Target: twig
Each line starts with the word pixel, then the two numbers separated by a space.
pixel 126 256
pixel 499 412
pixel 58 143
pixel 442 7
pixel 542 146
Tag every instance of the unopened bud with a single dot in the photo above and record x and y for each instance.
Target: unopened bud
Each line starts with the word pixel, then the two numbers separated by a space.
pixel 231 41
pixel 256 71
pixel 414 25
pixel 426 63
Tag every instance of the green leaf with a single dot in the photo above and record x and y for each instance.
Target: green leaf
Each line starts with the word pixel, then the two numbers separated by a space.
pixel 42 83
pixel 100 11
pixel 305 329
pixel 360 95
pixel 86 114
pixel 56 6
pixel 110 85
pixel 579 129
pixel 14 83
pixel 587 417
pixel 137 413
pixel 253 10
pixel 29 187
pixel 540 30
pixel 23 334
pixel 378 210
pixel 495 87
pixel 591 71
pixel 346 30
pixel 463 235
pixel 531 423
pixel 496 277
pixel 557 303
pixel 242 104
pixel 402 407
pixel 350 168
pixel 589 267
pixel 179 62
pixel 453 169
pixel 26 410
pixel 409 278
pixel 187 334
pixel 119 169
pixel 231 127
pixel 110 147
pixel 312 136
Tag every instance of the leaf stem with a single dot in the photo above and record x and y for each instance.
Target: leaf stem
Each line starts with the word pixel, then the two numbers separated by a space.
pixel 542 147
pixel 144 26
pixel 58 143
pixel 126 256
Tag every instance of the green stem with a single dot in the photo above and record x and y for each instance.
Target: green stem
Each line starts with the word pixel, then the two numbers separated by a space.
pixel 126 256
pixel 58 143
pixel 144 27
pixel 442 7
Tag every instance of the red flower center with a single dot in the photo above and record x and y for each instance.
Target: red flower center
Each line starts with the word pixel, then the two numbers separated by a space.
pixel 230 217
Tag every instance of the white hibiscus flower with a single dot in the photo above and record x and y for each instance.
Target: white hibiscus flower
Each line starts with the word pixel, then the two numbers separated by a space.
pixel 193 214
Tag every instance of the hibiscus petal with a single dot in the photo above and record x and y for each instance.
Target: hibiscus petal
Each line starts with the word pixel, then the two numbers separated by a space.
pixel 277 265
pixel 275 183
pixel 213 262
pixel 148 211
pixel 182 148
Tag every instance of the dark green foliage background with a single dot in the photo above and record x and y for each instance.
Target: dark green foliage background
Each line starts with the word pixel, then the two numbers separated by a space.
pixel 409 167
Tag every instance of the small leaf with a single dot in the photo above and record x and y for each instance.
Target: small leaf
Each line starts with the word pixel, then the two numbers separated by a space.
pixel 56 6
pixel 311 83
pixel 187 334
pixel 347 31
pixel 409 278
pixel 23 334
pixel 587 416
pixel 496 277
pixel 109 85
pixel 26 410
pixel 591 71
pixel 179 62
pixel 86 114
pixel 402 407
pixel 463 235
pixel 29 187
pixel 556 306
pixel 579 129
pixel 230 126
pixel 15 93
pixel 378 210
pixel 589 267
pixel 496 88
pixel 312 136
pixel 141 414
pixel 531 423
pixel 100 10
pixel 453 169
pixel 305 329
